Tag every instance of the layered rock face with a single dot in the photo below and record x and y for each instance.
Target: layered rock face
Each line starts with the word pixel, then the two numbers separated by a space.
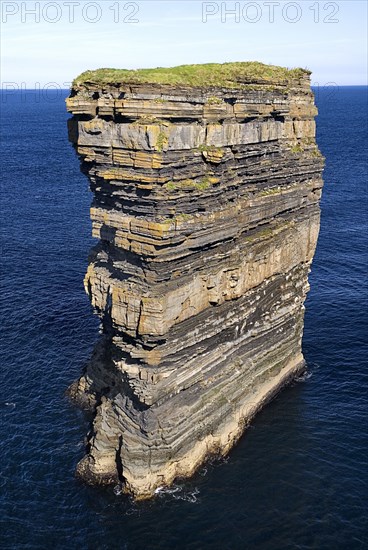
pixel 206 211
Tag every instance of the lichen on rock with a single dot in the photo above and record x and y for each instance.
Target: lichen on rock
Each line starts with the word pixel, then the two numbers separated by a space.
pixel 206 208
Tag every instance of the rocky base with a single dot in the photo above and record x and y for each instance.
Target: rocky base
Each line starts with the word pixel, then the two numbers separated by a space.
pixel 87 472
pixel 215 445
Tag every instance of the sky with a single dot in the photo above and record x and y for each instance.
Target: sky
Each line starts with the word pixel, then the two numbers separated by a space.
pixel 48 43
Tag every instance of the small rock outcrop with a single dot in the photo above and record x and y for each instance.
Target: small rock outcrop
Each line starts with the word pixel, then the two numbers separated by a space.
pixel 206 184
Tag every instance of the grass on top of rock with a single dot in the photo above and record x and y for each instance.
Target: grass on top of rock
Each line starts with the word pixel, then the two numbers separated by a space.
pixel 228 75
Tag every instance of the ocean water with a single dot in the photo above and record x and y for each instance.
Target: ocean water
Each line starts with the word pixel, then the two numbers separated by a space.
pixel 296 480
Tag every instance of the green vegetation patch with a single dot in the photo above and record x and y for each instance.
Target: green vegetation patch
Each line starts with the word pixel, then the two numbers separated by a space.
pixel 200 185
pixel 228 75
pixel 298 148
pixel 145 120
pixel 162 141
pixel 308 146
pixel 214 101
pixel 270 191
pixel 210 148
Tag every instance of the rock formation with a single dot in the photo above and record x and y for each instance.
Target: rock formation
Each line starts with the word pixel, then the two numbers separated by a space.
pixel 206 211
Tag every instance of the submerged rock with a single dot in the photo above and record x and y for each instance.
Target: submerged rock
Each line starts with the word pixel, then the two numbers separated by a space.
pixel 206 207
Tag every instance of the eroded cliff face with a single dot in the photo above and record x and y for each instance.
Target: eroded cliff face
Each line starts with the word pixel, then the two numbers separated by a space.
pixel 206 207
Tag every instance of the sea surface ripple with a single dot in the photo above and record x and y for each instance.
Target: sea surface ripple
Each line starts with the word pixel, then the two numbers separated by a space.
pixel 296 480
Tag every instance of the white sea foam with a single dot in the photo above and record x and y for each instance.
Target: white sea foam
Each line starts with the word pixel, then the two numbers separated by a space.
pixel 178 492
pixel 188 497
pixel 118 490
pixel 304 377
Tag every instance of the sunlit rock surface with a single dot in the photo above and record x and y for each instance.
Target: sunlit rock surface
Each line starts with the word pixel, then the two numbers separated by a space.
pixel 206 211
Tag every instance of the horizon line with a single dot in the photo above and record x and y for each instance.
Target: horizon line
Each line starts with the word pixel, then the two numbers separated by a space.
pixel 43 88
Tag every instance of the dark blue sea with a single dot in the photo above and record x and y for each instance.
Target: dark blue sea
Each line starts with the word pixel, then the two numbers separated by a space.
pixel 296 480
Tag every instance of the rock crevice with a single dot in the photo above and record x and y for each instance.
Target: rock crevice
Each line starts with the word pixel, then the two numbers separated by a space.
pixel 206 208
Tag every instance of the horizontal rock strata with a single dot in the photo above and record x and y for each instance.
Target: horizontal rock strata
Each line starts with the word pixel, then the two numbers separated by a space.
pixel 206 211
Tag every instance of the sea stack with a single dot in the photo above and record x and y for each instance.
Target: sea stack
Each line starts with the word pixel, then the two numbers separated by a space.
pixel 206 182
